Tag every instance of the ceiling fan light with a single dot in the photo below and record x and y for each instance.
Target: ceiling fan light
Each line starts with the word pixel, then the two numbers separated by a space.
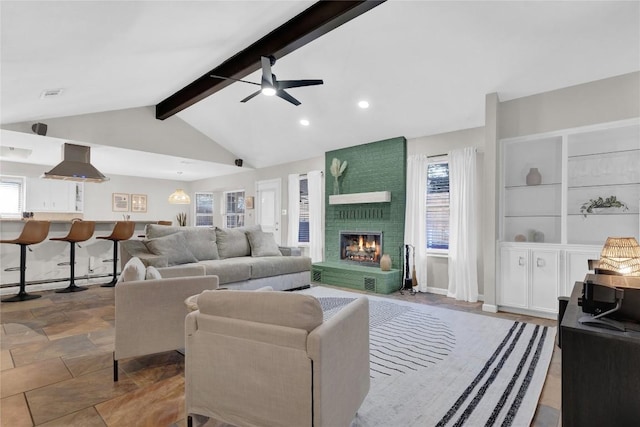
pixel 268 91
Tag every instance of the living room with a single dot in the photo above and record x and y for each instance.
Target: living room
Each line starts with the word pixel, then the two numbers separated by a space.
pixel 595 88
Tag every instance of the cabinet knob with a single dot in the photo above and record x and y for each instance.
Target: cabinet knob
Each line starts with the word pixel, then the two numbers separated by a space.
pixel 521 261
pixel 540 262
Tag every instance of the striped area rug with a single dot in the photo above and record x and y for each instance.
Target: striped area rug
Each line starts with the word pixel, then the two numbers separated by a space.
pixel 432 366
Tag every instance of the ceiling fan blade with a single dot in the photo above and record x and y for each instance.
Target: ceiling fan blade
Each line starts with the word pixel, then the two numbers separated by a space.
pixel 267 76
pixel 254 94
pixel 284 95
pixel 288 84
pixel 235 80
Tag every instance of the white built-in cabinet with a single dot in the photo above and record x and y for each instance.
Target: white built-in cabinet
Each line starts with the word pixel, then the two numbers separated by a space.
pixel 51 195
pixel 546 237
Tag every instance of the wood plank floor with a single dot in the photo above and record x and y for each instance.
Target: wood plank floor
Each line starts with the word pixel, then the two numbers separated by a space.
pixel 56 366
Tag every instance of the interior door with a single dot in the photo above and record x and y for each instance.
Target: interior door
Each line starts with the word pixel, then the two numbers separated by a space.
pixel 268 213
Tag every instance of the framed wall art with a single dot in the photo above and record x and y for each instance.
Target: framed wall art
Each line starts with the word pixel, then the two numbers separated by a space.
pixel 138 203
pixel 120 202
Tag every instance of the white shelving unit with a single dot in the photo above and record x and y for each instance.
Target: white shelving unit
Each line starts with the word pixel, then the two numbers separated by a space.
pixel 545 239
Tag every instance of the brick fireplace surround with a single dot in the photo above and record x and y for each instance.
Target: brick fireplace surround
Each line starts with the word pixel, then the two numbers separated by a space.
pixel 373 167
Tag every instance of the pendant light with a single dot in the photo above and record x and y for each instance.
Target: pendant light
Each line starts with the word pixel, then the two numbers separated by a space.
pixel 179 197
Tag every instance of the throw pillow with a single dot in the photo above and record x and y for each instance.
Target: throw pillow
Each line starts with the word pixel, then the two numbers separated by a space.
pixel 201 241
pixel 133 270
pixel 152 274
pixel 232 242
pixel 174 247
pixel 263 244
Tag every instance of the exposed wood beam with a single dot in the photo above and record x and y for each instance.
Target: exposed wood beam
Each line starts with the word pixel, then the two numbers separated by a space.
pixel 309 25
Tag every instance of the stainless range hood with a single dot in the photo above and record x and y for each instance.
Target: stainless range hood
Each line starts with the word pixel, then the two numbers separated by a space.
pixel 76 166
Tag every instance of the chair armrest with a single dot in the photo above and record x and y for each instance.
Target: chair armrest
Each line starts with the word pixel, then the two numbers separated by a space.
pixel 290 251
pixel 339 349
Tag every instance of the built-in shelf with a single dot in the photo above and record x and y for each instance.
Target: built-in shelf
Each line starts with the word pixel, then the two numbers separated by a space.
pixel 355 198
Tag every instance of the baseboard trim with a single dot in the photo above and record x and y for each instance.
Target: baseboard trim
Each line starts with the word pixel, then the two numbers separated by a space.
pixel 491 308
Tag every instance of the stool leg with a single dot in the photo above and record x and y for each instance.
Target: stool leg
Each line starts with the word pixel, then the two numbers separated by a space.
pixel 72 284
pixel 113 281
pixel 22 294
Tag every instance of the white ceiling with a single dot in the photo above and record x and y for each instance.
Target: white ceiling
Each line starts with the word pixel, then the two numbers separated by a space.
pixel 425 67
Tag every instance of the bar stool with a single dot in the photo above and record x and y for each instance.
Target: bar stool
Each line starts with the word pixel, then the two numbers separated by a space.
pixel 33 232
pixel 123 230
pixel 80 231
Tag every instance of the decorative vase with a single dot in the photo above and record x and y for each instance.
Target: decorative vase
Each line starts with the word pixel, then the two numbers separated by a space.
pixel 534 177
pixel 336 185
pixel 385 262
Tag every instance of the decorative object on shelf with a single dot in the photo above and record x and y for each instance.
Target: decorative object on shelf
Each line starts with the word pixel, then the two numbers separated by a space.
pixel 182 219
pixel 179 197
pixel 385 262
pixel 538 236
pixel 520 238
pixel 126 217
pixel 534 177
pixel 337 169
pixel 138 203
pixel 622 255
pixel 120 202
pixel 609 202
pixel 248 202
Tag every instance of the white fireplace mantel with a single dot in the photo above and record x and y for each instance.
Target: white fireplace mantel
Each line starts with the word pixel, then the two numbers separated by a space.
pixel 354 198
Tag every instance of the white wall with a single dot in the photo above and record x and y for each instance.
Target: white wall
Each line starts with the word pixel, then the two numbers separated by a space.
pixel 97 196
pixel 434 145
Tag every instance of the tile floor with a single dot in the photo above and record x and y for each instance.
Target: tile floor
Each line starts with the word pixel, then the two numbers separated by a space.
pixel 56 366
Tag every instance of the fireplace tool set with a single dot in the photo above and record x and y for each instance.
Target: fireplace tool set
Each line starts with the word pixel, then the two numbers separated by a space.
pixel 410 280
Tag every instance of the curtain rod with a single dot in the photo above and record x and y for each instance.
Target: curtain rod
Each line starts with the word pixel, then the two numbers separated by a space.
pixel 445 154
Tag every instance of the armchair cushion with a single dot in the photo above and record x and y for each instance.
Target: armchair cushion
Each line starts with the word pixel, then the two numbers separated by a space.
pixel 152 273
pixel 174 247
pixel 262 244
pixel 293 310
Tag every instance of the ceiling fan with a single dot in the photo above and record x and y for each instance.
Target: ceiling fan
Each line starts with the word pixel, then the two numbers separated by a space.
pixel 270 86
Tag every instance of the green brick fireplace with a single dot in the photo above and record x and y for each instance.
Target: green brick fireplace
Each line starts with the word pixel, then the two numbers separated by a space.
pixel 375 167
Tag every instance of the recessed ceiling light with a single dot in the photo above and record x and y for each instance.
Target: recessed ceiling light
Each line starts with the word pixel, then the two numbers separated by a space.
pixel 363 104
pixel 304 122
pixel 50 93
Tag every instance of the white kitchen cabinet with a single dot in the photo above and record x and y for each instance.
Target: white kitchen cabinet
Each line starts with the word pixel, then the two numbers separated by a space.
pixel 48 195
pixel 529 279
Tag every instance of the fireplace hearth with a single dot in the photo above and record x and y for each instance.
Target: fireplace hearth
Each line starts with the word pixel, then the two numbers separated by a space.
pixel 361 247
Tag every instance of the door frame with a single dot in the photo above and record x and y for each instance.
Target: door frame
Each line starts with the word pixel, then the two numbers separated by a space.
pixel 276 184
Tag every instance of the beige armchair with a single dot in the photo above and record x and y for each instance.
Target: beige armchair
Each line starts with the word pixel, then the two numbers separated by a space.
pixel 269 359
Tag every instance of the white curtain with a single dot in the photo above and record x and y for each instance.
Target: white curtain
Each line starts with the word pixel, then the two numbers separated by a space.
pixel 463 233
pixel 415 228
pixel 294 209
pixel 316 237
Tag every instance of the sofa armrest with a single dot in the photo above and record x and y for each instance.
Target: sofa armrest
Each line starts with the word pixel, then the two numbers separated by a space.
pixel 339 349
pixel 137 248
pixel 290 251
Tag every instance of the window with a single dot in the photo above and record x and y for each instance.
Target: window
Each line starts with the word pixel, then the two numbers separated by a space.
pixel 11 196
pixel 438 205
pixel 234 209
pixel 303 220
pixel 204 209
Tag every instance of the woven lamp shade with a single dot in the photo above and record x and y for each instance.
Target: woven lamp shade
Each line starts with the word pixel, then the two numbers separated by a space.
pixel 621 254
pixel 179 197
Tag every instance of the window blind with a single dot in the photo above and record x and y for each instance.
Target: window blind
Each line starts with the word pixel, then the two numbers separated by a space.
pixel 438 205
pixel 11 196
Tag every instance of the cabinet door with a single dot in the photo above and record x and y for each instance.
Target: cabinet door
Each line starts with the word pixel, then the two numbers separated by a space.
pixel 59 192
pixel 514 277
pixel 544 280
pixel 576 268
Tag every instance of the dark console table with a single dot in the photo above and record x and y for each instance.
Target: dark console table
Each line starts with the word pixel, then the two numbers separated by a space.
pixel 600 372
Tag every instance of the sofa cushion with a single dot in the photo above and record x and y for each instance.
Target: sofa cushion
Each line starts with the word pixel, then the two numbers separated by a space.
pixel 201 241
pixel 233 242
pixel 152 273
pixel 229 270
pixel 133 270
pixel 262 244
pixel 173 246
pixel 278 265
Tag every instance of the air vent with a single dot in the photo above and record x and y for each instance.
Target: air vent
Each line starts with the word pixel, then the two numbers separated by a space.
pixel 50 93
pixel 370 284
pixel 317 276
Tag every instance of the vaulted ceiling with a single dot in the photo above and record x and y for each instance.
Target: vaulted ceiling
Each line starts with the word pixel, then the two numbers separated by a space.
pixel 425 67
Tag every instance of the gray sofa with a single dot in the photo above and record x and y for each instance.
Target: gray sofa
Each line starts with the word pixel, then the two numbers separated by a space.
pixel 243 258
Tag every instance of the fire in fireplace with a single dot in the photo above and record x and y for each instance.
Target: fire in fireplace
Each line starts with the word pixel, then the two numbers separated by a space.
pixel 361 247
